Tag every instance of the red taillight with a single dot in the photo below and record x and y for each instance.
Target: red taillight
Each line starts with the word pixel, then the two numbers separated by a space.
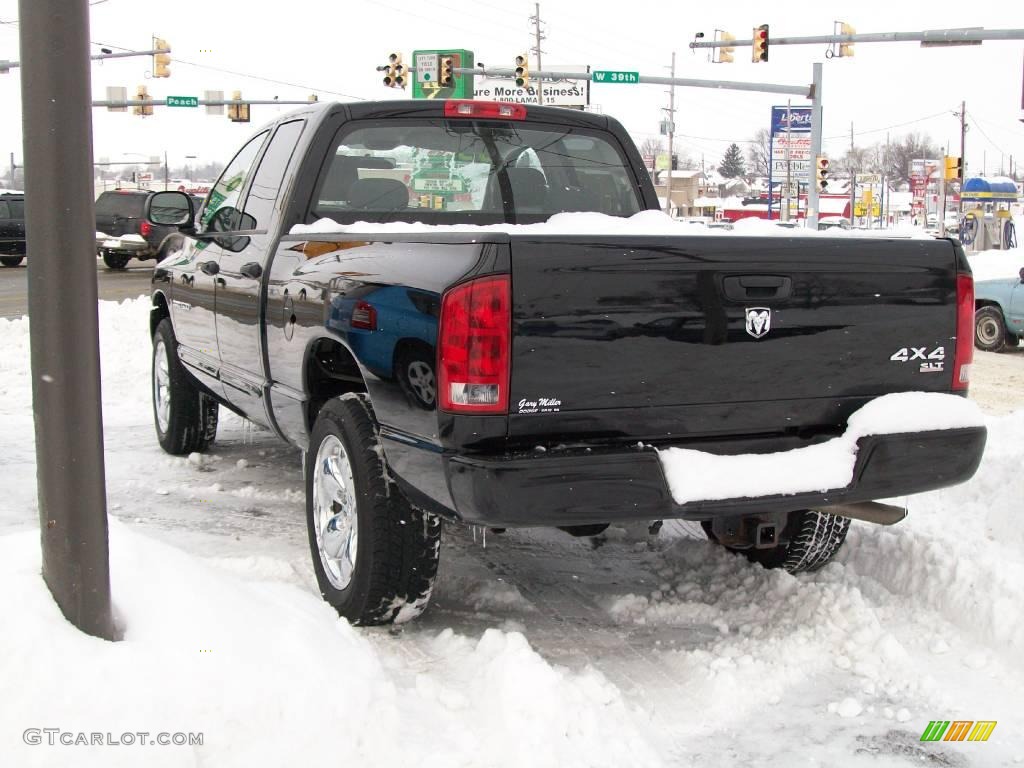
pixel 145 228
pixel 964 331
pixel 495 110
pixel 364 316
pixel 474 346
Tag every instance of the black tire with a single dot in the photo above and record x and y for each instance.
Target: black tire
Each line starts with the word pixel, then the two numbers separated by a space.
pixel 11 261
pixel 990 330
pixel 814 538
pixel 414 371
pixel 115 261
pixel 397 545
pixel 190 422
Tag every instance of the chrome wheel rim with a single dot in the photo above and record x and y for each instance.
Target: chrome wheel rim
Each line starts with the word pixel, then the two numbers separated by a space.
pixel 161 385
pixel 988 330
pixel 421 379
pixel 334 512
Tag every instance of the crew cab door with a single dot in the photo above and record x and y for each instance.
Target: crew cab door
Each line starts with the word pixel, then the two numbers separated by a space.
pixel 243 261
pixel 197 277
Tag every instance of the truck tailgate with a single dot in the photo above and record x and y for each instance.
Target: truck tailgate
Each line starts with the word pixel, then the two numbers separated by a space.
pixel 657 338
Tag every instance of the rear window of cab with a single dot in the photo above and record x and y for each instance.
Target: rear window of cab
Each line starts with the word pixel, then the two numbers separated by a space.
pixel 481 171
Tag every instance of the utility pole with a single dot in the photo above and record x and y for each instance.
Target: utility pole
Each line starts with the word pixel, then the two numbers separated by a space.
pixel 963 155
pixel 671 131
pixel 853 179
pixel 64 332
pixel 538 36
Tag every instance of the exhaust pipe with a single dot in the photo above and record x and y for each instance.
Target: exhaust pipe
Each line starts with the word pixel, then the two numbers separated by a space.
pixel 868 511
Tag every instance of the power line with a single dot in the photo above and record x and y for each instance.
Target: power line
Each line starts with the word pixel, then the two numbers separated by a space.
pixel 977 125
pixel 243 74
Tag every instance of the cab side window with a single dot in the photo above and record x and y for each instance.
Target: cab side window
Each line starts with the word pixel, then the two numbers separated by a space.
pixel 223 206
pixel 263 193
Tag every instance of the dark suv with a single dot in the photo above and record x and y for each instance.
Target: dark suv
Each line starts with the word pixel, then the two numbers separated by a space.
pixel 12 228
pixel 122 232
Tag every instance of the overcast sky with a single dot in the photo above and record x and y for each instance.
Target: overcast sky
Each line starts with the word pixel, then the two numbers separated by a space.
pixel 296 48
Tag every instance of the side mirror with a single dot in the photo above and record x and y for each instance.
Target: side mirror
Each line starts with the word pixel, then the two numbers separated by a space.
pixel 173 209
pixel 228 219
pixel 1021 273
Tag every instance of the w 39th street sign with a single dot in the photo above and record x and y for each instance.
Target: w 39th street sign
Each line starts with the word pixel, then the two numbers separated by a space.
pixel 182 101
pixel 615 76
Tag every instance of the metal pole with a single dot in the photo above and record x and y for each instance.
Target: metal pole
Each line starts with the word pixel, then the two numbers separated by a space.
pixel 928 38
pixel 536 29
pixel 789 180
pixel 963 156
pixel 64 329
pixel 813 193
pixel 501 72
pixel 853 179
pixel 671 131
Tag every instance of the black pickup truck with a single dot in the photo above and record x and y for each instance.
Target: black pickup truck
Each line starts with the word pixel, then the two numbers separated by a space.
pixel 12 228
pixel 519 375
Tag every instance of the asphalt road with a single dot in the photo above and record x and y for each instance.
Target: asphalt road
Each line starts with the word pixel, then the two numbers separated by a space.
pixel 112 285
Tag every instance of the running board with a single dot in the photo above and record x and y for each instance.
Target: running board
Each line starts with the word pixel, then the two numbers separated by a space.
pixel 868 511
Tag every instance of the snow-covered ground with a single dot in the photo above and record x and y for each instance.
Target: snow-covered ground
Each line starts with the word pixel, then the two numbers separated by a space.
pixel 538 649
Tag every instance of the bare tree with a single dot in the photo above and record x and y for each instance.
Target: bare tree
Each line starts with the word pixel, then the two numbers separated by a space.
pixel 759 153
pixel 651 147
pixel 913 146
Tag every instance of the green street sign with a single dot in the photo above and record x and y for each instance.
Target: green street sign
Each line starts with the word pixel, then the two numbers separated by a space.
pixel 615 76
pixel 182 101
pixel 428 81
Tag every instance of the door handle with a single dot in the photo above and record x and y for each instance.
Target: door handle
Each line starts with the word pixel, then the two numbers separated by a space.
pixel 209 267
pixel 252 269
pixel 748 287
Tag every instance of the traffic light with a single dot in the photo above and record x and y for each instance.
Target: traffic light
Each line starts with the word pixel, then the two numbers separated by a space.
pixel 161 61
pixel 821 172
pixel 522 71
pixel 238 113
pixel 760 46
pixel 954 168
pixel 395 76
pixel 446 74
pixel 846 49
pixel 142 94
pixel 725 53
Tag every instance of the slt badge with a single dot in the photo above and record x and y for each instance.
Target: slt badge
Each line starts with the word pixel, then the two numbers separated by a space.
pixel 759 321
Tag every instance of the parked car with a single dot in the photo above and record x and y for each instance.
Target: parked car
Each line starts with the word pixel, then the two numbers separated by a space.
pixel 999 313
pixel 533 376
pixel 12 229
pixel 122 231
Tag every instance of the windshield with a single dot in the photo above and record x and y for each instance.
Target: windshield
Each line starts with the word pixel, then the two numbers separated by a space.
pixel 472 171
pixel 120 203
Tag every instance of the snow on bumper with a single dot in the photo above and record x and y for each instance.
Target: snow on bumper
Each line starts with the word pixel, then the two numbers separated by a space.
pixel 124 243
pixel 698 476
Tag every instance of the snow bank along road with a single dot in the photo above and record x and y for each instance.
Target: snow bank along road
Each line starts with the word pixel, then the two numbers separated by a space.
pixel 538 649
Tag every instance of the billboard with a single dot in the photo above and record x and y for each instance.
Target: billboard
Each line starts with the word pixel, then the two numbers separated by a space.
pixel 799 120
pixel 558 93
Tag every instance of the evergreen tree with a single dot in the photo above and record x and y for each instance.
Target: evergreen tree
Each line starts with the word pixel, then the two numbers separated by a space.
pixel 732 164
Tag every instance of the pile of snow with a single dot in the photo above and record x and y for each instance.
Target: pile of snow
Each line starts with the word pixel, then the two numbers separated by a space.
pixel 699 476
pixel 270 676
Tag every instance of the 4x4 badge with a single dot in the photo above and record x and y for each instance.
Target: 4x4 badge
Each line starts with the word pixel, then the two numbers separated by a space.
pixel 759 321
